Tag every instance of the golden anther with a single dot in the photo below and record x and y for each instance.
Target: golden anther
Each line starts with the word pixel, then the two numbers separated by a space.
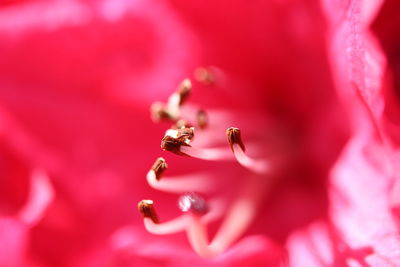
pixel 186 133
pixel 159 167
pixel 234 137
pixel 181 124
pixel 159 112
pixel 184 90
pixel 204 75
pixel 146 208
pixel 171 144
pixel 202 119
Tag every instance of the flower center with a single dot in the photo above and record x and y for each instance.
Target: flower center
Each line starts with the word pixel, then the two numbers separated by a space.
pixel 198 212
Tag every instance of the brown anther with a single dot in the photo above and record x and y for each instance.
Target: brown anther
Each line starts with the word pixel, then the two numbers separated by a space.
pixel 234 137
pixel 159 167
pixel 204 75
pixel 186 133
pixel 181 124
pixel 184 90
pixel 173 145
pixel 159 112
pixel 202 119
pixel 146 208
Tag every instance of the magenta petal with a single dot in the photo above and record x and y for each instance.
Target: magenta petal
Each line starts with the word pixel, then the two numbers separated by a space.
pixel 14 240
pixel 361 208
pixel 40 197
pixel 363 178
pixel 77 78
pixel 312 246
pixel 253 251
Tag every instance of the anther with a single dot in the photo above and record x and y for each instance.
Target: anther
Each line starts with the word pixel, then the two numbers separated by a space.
pixel 171 144
pixel 186 133
pixel 202 119
pixel 159 167
pixel 260 166
pixel 146 208
pixel 181 124
pixel 204 76
pixel 194 203
pixel 234 137
pixel 184 90
pixel 159 112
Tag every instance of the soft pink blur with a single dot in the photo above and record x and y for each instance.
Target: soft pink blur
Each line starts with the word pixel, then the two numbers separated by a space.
pixel 77 79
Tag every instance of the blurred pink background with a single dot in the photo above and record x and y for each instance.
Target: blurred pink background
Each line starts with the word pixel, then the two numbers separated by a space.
pixel 314 82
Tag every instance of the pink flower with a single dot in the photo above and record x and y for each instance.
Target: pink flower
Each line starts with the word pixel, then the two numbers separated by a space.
pixel 365 176
pixel 308 84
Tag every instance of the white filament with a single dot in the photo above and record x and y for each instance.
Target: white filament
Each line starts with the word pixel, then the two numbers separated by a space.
pixel 208 153
pixel 200 182
pixel 259 166
pixel 182 222
pixel 240 215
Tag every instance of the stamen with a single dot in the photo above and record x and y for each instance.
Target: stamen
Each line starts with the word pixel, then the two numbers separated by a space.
pixel 193 203
pixel 146 208
pixel 201 182
pixel 186 133
pixel 40 197
pixel 204 76
pixel 202 120
pixel 171 144
pixel 180 223
pixel 239 217
pixel 181 124
pixel 256 165
pixel 207 153
pixel 174 139
pixel 173 226
pixel 184 90
pixel 159 167
pixel 179 97
pixel 234 137
pixel 178 140
pixel 160 112
pixel 235 141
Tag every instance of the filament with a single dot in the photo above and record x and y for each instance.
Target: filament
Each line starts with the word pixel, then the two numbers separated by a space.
pixel 182 222
pixel 178 140
pixel 200 182
pixel 240 215
pixel 174 226
pixel 179 97
pixel 207 153
pixel 259 166
pixel 173 105
pixel 40 197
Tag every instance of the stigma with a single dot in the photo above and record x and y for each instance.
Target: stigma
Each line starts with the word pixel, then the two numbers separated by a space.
pixel 192 202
